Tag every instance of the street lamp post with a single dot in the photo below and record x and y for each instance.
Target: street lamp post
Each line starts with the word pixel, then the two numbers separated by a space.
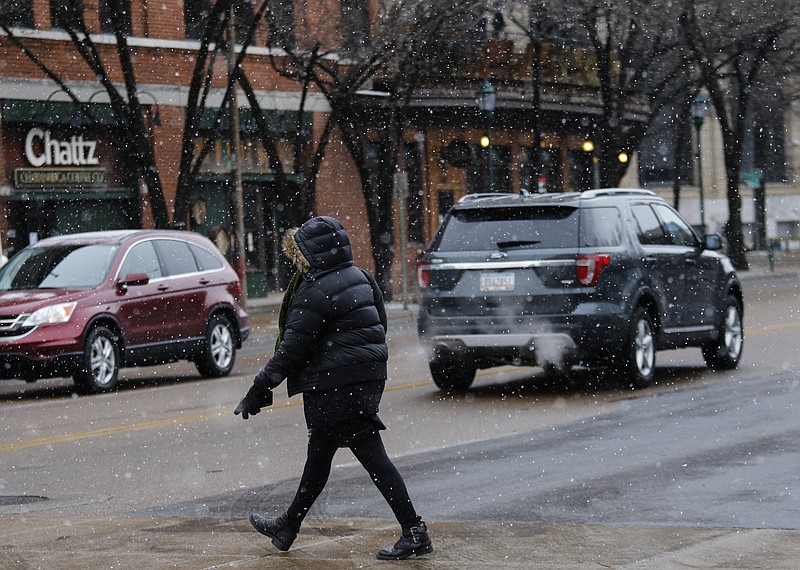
pixel 588 146
pixel 699 108
pixel 486 98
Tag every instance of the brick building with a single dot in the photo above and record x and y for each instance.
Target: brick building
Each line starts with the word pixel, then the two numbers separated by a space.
pixel 61 174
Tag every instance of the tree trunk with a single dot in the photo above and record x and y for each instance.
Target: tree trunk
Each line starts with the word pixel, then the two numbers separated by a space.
pixel 680 149
pixel 733 227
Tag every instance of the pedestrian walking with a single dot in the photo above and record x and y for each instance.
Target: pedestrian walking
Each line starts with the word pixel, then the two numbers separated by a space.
pixel 331 347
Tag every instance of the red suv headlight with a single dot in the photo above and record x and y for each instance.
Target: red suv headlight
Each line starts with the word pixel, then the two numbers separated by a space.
pixel 51 314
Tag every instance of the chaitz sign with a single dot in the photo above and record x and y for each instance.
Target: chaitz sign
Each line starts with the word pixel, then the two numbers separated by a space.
pixel 46 154
pixel 51 151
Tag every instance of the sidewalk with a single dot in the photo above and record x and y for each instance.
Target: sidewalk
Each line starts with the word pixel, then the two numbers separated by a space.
pixel 264 311
pixel 143 543
pixel 782 264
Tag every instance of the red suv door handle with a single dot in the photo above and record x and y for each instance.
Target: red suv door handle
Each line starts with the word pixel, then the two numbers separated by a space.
pixel 162 287
pixel 204 281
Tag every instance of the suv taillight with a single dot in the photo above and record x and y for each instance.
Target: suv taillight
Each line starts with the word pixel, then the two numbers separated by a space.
pixel 423 274
pixel 589 268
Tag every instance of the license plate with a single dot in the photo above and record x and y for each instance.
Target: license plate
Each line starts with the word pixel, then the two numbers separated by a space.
pixel 497 282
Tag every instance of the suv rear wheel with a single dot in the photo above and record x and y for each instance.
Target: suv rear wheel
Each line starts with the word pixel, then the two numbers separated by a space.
pixel 99 370
pixel 724 353
pixel 452 375
pixel 638 359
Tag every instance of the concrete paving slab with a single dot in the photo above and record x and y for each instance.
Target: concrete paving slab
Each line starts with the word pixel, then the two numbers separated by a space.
pixel 144 543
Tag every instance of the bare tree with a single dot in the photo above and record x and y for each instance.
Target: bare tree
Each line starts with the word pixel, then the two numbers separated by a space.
pixel 731 42
pixel 124 97
pixel 125 103
pixel 341 60
pixel 632 59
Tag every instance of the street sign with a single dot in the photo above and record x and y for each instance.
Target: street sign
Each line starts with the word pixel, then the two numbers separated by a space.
pixel 752 177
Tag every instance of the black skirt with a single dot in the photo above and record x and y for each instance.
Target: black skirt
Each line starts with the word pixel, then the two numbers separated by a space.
pixel 345 413
pixel 330 407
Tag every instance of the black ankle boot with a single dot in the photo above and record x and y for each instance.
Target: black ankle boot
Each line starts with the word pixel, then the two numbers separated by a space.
pixel 415 540
pixel 280 530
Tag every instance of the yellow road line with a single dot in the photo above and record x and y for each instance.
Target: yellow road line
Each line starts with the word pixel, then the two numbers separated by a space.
pixel 771 328
pixel 154 424
pixel 124 428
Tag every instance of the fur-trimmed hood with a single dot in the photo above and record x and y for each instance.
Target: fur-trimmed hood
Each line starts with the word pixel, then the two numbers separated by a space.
pixel 320 244
pixel 293 252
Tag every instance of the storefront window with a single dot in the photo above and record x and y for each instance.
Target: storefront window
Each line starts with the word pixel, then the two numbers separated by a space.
pixel 490 173
pixel 254 228
pixel 252 158
pixel 581 171
pixel 542 174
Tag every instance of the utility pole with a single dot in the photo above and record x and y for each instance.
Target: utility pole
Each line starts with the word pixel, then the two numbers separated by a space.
pixel 237 196
pixel 401 192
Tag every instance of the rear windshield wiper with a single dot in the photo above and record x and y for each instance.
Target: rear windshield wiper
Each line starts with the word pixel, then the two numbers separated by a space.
pixel 518 243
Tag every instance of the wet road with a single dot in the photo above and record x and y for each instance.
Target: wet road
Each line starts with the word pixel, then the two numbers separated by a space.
pixel 699 448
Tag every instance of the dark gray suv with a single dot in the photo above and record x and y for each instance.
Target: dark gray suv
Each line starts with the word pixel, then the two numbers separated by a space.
pixel 602 278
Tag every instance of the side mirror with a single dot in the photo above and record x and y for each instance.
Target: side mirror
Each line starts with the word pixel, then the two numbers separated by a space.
pixel 712 242
pixel 133 279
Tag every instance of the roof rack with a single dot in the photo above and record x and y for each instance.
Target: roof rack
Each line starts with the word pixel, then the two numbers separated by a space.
pixel 616 192
pixel 483 195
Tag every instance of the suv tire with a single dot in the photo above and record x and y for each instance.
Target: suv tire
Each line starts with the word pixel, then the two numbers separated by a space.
pixel 99 369
pixel 452 375
pixel 219 348
pixel 638 359
pixel 725 352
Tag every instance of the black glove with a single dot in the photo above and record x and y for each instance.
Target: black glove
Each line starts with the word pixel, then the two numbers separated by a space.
pixel 252 403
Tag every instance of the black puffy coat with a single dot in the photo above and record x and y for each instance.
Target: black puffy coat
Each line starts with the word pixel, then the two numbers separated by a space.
pixel 335 331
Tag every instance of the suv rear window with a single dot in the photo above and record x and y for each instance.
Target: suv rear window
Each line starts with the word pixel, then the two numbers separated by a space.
pixel 509 228
pixel 601 227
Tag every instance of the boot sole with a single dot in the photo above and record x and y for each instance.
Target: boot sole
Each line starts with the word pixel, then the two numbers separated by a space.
pixel 283 547
pixel 421 551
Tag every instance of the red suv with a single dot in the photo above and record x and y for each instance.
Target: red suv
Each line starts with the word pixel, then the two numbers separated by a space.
pixel 86 305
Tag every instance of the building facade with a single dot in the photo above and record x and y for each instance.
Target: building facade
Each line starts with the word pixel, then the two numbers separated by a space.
pixel 62 173
pixel 769 180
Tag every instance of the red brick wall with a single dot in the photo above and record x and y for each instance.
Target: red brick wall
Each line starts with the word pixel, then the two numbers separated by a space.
pixel 339 195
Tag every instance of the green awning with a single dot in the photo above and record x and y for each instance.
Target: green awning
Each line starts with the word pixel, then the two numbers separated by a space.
pixel 55 112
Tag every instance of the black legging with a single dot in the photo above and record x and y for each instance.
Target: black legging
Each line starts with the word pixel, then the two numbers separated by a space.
pixel 370 452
